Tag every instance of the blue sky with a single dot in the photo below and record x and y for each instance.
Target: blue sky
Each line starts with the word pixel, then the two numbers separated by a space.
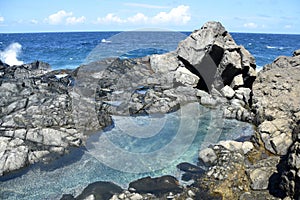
pixel 261 16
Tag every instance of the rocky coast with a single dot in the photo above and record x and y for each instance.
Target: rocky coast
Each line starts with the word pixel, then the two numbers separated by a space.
pixel 44 113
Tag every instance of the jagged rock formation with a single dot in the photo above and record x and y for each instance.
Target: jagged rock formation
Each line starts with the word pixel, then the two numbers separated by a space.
pixel 270 164
pixel 44 112
pixel 207 66
pixel 36 115
pixel 277 103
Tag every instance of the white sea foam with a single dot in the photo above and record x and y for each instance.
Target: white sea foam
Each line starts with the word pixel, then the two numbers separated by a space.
pixel 10 54
pixel 105 41
pixel 273 47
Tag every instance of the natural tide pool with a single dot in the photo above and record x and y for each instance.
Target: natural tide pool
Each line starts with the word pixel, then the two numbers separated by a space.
pixel 135 147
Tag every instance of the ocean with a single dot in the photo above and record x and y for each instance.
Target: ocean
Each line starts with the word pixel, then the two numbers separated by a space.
pixel 71 49
pixel 73 172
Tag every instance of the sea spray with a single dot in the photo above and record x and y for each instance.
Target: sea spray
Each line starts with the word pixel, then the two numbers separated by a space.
pixel 10 54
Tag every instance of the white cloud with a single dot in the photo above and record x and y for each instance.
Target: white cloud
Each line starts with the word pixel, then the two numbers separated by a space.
pixel 74 20
pixel 1 19
pixel 34 21
pixel 110 18
pixel 141 5
pixel 178 15
pixel 138 18
pixel 288 26
pixel 250 25
pixel 58 18
pixel 63 17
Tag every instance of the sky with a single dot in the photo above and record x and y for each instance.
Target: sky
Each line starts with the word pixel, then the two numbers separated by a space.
pixel 254 16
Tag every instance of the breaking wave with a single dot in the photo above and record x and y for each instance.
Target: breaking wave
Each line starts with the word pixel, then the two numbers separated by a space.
pixel 10 54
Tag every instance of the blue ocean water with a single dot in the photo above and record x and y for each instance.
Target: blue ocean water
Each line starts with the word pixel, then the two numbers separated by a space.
pixel 75 171
pixel 70 49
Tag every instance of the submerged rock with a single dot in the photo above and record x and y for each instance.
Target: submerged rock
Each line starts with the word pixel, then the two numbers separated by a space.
pixel 157 186
pixel 99 191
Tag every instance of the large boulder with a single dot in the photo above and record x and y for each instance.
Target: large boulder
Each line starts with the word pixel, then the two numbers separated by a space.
pixel 212 54
pixel 99 190
pixel 157 186
pixel 207 60
pixel 277 103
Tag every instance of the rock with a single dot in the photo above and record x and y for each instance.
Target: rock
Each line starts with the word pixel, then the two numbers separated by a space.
pixel 237 81
pixel 38 114
pixel 275 101
pixel 136 197
pixel 67 197
pixel 260 178
pixel 247 147
pixel 208 101
pixel 157 186
pixel 187 167
pixel 164 63
pixel 191 193
pixel 290 177
pixel 243 94
pixel 296 53
pixel 201 93
pixel 207 156
pixel 212 54
pixel 231 145
pixel 227 91
pixel 99 190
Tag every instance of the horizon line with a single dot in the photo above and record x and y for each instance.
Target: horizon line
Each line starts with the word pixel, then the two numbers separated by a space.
pixel 141 30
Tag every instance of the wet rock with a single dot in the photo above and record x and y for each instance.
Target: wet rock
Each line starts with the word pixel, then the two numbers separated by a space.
pixel 99 190
pixel 67 197
pixel 157 186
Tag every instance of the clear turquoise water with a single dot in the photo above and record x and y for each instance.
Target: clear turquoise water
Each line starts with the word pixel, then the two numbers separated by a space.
pixel 174 138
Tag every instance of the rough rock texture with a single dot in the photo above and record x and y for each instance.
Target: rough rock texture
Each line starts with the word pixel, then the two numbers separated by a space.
pixel 212 54
pixel 36 115
pixel 268 168
pixel 238 171
pixel 43 111
pixel 277 103
pixel 208 60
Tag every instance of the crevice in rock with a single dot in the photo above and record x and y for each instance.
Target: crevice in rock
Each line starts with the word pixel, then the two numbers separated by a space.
pixel 201 83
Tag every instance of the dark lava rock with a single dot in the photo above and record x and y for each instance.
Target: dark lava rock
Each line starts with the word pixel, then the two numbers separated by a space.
pixel 157 186
pixel 67 197
pixel 191 171
pixel 100 190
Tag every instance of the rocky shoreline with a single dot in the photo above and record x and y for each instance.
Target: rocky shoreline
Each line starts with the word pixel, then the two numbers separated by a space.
pixel 44 113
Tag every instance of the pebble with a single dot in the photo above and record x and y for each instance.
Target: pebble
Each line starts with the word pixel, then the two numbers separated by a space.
pixel 191 193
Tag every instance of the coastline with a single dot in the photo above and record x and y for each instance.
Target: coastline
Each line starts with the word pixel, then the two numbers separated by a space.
pixel 235 99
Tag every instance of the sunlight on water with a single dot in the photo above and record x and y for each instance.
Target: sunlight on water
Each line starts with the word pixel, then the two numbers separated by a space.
pixel 73 172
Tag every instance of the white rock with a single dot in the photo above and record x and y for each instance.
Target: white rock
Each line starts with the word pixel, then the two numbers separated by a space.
pixel 91 197
pixel 247 147
pixel 136 196
pixel 191 193
pixel 164 63
pixel 237 81
pixel 231 145
pixel 227 91
pixel 208 156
